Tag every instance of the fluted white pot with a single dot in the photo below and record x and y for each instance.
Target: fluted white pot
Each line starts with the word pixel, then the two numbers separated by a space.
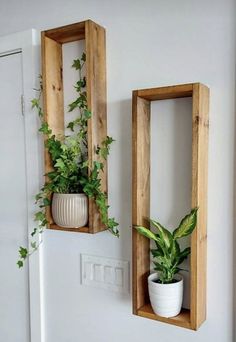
pixel 70 210
pixel 166 299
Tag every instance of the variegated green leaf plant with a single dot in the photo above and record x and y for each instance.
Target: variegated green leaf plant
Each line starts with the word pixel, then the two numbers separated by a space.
pixel 168 256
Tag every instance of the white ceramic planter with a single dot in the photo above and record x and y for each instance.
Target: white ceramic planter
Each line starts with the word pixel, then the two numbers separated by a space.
pixel 166 299
pixel 70 210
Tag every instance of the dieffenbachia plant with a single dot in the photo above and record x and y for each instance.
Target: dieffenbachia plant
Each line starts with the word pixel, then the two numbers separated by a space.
pixel 72 172
pixel 167 256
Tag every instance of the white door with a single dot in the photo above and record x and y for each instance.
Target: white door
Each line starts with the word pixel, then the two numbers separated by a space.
pixel 14 289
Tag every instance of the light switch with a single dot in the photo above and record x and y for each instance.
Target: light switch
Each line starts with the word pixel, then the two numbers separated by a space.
pixel 106 273
pixel 98 272
pixel 119 277
pixel 88 270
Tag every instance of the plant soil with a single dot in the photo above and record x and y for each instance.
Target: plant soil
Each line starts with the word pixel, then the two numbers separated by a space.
pixel 158 281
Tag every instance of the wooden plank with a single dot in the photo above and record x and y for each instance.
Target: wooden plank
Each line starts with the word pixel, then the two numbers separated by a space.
pixel 95 42
pixel 77 230
pixel 182 320
pixel 200 126
pixel 164 93
pixel 68 33
pixel 52 94
pixel 140 198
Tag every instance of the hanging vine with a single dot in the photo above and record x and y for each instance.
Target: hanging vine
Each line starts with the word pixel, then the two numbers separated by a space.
pixel 72 172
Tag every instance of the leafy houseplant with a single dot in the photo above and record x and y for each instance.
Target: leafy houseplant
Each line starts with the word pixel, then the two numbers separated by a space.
pixel 72 172
pixel 166 286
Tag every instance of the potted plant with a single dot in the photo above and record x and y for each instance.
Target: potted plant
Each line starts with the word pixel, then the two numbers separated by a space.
pixel 165 286
pixel 73 179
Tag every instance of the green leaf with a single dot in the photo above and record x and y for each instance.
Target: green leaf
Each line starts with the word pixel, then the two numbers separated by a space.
pixel 45 128
pixel 98 165
pixel 39 216
pixel 158 266
pixel 146 232
pixel 165 261
pixel 112 223
pixel 34 232
pixel 71 125
pixel 23 252
pixel 156 252
pixel 20 263
pixel 52 175
pixel 87 114
pixel 80 84
pixel 73 105
pixel 161 245
pixel 97 149
pixel 165 235
pixel 85 164
pixel 38 196
pixel 175 251
pixel 76 64
pixel 104 149
pixel 54 147
pixel 183 255
pixel 46 202
pixel 60 164
pixel 33 245
pixel 83 58
pixel 109 140
pixel 187 225
pixel 35 103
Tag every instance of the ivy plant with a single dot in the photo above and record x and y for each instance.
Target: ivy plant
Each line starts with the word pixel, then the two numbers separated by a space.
pixel 72 172
pixel 168 256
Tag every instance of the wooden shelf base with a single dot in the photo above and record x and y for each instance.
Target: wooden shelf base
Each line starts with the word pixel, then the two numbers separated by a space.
pixel 182 320
pixel 75 230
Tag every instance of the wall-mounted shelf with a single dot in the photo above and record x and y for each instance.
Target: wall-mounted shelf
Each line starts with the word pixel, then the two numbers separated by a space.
pixel 196 315
pixel 95 49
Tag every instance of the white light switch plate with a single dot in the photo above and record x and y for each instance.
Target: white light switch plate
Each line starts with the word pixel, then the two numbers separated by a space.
pixel 106 273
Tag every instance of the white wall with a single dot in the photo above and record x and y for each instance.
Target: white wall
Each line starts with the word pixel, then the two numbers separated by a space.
pixel 171 169
pixel 149 44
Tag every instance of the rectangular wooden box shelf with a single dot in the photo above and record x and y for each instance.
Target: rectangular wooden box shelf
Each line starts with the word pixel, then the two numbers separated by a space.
pixel 95 49
pixel 193 318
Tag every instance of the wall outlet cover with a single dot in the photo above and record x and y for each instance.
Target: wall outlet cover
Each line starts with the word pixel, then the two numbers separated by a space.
pixel 107 273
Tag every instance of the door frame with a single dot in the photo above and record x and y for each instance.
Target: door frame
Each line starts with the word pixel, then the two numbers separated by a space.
pixel 28 43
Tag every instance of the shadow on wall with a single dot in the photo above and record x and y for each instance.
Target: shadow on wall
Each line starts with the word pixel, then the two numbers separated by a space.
pixel 125 172
pixel 234 236
pixel 120 169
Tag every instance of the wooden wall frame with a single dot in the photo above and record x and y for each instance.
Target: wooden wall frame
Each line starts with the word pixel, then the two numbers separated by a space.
pixel 95 49
pixel 194 317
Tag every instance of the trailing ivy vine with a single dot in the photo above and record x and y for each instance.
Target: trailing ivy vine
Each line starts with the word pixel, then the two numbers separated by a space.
pixel 72 172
